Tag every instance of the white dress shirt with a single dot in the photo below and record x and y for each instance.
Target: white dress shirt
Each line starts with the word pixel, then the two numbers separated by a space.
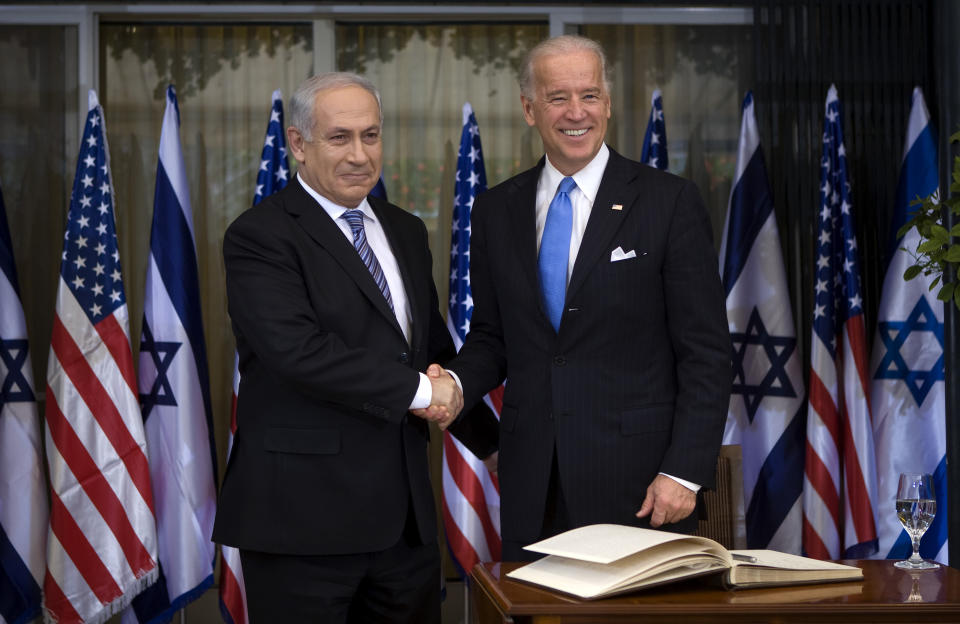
pixel 377 239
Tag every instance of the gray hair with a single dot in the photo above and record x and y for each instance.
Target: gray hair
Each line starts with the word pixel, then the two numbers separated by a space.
pixel 301 104
pixel 563 44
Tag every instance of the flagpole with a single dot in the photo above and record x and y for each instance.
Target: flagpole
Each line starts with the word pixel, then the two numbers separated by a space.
pixel 946 15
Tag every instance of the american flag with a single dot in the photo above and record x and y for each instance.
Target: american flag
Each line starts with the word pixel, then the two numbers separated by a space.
pixel 840 487
pixel 908 393
pixel 654 151
pixel 174 385
pixel 102 544
pixel 23 488
pixel 272 175
pixel 766 406
pixel 471 494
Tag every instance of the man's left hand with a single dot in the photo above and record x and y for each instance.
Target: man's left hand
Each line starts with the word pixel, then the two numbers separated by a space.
pixel 667 501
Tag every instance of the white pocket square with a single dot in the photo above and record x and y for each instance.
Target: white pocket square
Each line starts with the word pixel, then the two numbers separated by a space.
pixel 619 254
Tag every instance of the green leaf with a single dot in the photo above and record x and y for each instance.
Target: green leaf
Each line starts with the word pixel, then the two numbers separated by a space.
pixel 955 230
pixel 934 283
pixel 946 292
pixel 953 254
pixel 930 245
pixel 955 136
pixel 911 272
pixel 956 298
pixel 939 232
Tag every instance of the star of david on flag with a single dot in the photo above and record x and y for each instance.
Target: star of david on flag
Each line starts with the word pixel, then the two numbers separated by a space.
pixel 840 487
pixel 272 175
pixel 23 487
pixel 765 416
pixel 174 384
pixel 654 151
pixel 471 494
pixel 102 543
pixel 907 388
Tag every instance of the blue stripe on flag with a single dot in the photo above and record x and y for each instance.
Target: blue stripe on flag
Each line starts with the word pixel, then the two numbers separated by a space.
pixel 7 265
pixel 155 599
pixel 750 205
pixel 778 487
pixel 19 592
pixel 917 177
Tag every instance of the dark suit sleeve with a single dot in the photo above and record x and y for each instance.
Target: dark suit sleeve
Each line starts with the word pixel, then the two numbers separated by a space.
pixel 274 320
pixel 481 363
pixel 697 323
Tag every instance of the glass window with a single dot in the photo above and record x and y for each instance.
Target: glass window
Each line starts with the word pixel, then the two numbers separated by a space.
pixel 425 73
pixel 703 72
pixel 224 75
pixel 39 140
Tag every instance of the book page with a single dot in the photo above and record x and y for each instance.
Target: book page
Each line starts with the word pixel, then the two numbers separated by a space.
pixel 605 543
pixel 785 561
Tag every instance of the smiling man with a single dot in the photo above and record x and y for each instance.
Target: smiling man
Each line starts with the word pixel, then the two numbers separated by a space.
pixel 596 293
pixel 331 296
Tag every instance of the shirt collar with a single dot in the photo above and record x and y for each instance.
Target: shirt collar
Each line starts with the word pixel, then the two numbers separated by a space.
pixel 336 210
pixel 588 179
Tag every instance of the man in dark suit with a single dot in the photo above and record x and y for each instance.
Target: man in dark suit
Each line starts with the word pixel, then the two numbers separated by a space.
pixel 597 297
pixel 330 293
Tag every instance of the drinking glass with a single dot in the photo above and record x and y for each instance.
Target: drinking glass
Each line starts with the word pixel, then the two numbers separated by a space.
pixel 916 507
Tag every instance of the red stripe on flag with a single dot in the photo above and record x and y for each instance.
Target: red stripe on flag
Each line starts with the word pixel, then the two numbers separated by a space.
pixel 496 397
pixel 819 477
pixel 230 597
pixel 856 334
pixel 856 492
pixel 116 341
pixel 823 403
pixel 91 479
pixel 57 603
pixel 813 546
pixel 469 484
pixel 85 380
pixel 459 545
pixel 81 552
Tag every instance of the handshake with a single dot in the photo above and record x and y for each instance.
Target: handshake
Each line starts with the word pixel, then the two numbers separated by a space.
pixel 447 400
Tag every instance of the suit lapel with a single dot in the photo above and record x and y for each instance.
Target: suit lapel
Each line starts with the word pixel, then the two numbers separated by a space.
pixel 522 215
pixel 413 288
pixel 317 223
pixel 616 188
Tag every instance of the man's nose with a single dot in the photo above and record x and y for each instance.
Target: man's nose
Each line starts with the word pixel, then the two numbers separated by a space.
pixel 576 109
pixel 357 153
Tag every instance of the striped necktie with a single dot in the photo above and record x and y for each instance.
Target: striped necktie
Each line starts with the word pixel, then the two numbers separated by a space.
pixel 555 251
pixel 355 219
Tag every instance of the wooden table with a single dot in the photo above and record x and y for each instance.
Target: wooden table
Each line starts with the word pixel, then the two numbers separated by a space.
pixel 887 594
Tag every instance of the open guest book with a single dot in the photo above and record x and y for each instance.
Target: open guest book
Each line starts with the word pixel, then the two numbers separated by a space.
pixel 606 559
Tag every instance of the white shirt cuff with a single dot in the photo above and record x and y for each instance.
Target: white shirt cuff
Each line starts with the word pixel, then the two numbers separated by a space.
pixel 424 394
pixel 455 378
pixel 683 482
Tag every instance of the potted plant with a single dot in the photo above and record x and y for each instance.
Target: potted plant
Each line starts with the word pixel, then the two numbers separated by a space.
pixel 936 251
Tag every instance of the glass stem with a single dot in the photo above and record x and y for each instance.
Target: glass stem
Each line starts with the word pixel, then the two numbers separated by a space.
pixel 916 548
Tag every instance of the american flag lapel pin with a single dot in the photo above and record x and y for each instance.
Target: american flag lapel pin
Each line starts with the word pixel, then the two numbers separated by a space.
pixel 616 207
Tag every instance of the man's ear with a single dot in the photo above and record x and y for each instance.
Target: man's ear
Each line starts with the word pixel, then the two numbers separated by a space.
pixel 528 111
pixel 295 143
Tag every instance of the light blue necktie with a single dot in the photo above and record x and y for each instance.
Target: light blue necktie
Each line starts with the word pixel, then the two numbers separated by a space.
pixel 555 251
pixel 355 219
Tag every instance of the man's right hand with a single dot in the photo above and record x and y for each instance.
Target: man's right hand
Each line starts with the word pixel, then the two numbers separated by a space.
pixel 447 400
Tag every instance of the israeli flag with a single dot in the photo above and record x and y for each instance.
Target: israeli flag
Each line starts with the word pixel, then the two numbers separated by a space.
pixel 23 488
pixel 907 367
pixel 175 393
pixel 766 413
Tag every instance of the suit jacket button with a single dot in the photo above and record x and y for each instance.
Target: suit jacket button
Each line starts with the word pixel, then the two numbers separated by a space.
pixel 559 361
pixel 404 357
